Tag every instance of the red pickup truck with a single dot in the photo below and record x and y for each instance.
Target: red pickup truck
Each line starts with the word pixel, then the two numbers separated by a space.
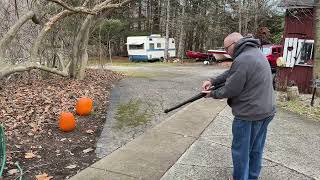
pixel 272 52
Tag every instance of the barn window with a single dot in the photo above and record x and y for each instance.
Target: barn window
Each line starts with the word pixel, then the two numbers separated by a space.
pixel 305 51
pixel 158 45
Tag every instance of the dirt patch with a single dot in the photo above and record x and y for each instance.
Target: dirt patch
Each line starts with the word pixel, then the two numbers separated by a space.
pixel 30 108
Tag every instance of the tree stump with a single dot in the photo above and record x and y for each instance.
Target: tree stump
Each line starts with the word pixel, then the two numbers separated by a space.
pixel 292 93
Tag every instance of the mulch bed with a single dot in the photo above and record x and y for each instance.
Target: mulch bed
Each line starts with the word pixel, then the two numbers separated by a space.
pixel 30 106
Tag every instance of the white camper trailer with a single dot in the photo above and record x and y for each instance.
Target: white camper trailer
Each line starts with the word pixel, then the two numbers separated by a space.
pixel 145 48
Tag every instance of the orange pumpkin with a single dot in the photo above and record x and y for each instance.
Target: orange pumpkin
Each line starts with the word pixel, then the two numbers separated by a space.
pixel 67 122
pixel 84 106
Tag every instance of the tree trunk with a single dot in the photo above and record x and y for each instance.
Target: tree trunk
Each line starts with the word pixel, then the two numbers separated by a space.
pixel 156 16
pixel 79 50
pixel 181 47
pixel 166 49
pixel 196 36
pixel 240 16
pixel 140 15
pixel 79 53
pixel 16 8
pixel 100 49
pixel 316 68
pixel 149 15
pixel 246 19
pixel 109 48
pixel 256 16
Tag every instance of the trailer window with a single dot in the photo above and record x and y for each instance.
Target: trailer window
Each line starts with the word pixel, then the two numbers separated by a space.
pixel 158 45
pixel 151 45
pixel 139 46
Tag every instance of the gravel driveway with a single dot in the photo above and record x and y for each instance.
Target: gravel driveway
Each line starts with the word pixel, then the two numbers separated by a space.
pixel 159 87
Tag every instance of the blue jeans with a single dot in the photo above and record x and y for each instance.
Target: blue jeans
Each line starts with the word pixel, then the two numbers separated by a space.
pixel 247 147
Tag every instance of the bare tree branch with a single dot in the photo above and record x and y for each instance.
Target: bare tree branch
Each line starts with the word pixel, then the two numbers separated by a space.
pixel 16 8
pixel 48 26
pixel 74 9
pixel 21 68
pixel 7 38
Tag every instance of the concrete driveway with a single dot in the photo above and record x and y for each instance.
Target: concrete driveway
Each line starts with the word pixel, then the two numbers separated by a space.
pixel 156 87
pixel 194 142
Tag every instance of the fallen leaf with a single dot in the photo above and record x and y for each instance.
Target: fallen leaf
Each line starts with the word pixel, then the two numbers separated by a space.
pixel 87 150
pixel 43 176
pixel 17 146
pixel 71 166
pixel 13 171
pixel 30 134
pixel 69 152
pixel 63 139
pixel 29 155
pixel 90 131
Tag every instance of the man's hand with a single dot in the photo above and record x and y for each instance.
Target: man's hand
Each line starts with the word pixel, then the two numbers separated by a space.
pixel 208 93
pixel 206 85
pixel 206 88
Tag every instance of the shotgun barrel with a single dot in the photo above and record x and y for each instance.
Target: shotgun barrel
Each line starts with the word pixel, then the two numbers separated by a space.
pixel 192 99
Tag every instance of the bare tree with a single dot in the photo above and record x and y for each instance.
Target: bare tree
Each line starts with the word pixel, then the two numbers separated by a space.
pixel 80 55
pixel 166 57
pixel 181 47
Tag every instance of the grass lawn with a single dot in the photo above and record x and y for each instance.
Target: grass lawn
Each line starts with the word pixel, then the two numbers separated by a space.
pixel 124 61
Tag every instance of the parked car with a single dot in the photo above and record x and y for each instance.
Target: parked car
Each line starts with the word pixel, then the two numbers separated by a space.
pixel 209 56
pixel 272 53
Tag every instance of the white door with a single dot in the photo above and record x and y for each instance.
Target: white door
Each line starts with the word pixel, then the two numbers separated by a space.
pixel 290 50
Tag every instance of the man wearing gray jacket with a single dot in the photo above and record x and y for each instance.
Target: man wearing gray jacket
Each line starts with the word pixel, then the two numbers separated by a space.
pixel 248 88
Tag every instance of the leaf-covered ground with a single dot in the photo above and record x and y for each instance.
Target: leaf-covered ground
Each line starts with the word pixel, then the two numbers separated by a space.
pixel 30 106
pixel 301 105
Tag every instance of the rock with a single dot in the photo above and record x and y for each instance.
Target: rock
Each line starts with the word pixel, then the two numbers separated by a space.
pixel 13 171
pixel 87 150
pixel 292 93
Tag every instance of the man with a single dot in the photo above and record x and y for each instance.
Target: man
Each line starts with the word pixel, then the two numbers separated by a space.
pixel 248 87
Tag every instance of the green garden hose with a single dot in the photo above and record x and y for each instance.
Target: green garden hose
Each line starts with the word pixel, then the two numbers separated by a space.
pixel 20 169
pixel 2 150
pixel 3 153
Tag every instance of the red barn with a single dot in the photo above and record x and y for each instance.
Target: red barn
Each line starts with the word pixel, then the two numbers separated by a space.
pixel 298 42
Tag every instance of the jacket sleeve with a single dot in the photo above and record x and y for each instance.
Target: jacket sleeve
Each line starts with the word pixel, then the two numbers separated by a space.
pixel 234 83
pixel 220 79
